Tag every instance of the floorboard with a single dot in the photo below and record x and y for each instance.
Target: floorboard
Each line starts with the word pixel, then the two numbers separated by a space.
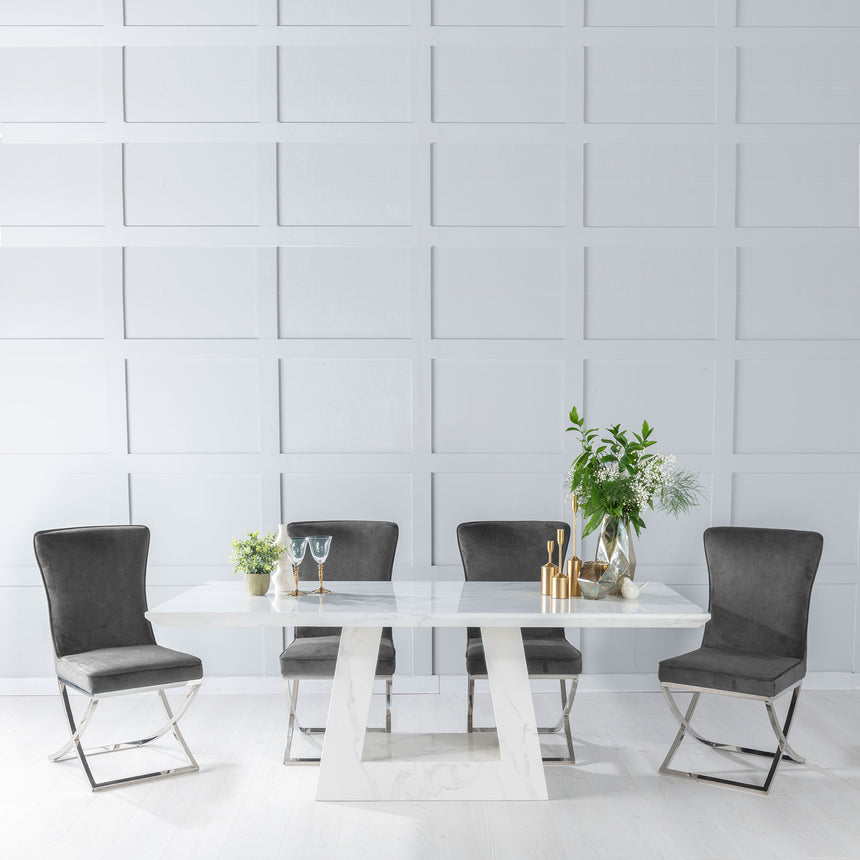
pixel 613 804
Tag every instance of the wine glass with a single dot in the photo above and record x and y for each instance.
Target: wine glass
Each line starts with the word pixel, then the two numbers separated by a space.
pixel 319 550
pixel 296 549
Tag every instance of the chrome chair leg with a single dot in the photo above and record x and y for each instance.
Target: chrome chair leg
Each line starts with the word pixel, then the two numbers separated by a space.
pixel 471 706
pixel 78 730
pixel 784 749
pixel 292 691
pixel 563 721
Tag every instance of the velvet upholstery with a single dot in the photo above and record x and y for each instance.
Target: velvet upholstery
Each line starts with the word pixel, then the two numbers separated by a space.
pixel 316 656
pixel 760 587
pixel 108 670
pixel 514 551
pixel 361 550
pixel 95 581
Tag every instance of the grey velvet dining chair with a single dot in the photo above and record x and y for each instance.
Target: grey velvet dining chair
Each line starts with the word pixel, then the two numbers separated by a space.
pixel 361 550
pixel 95 582
pixel 510 551
pixel 754 646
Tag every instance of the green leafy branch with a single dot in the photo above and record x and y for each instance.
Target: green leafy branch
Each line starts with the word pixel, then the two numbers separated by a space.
pixel 616 475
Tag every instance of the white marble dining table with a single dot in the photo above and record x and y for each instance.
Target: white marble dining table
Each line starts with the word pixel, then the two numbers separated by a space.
pixel 357 765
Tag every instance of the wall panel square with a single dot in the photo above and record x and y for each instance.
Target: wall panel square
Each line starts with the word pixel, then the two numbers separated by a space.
pixel 379 13
pixel 52 13
pixel 650 184
pixel 798 292
pixel 30 503
pixel 194 518
pixel 323 83
pixel 504 84
pixel 193 406
pixel 498 184
pixel 351 496
pixel 344 183
pixel 207 184
pixel 463 497
pixel 504 292
pixel 466 398
pixel 796 406
pixel 190 292
pixel 51 293
pixel 802 85
pixel 51 184
pixel 498 13
pixel 650 13
pixel 53 407
pixel 798 13
pixel 821 502
pixel 346 405
pixel 670 541
pixel 179 13
pixel 831 628
pixel 25 634
pixel 190 84
pixel 650 291
pixel 675 396
pixel 797 185
pixel 667 84
pixel 341 292
pixel 51 85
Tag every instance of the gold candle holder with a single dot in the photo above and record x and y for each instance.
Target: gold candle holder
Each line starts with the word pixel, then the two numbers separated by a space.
pixel 574 564
pixel 547 571
pixel 559 588
pixel 560 535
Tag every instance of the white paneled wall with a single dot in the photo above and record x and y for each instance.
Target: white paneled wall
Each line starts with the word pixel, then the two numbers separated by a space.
pixel 266 260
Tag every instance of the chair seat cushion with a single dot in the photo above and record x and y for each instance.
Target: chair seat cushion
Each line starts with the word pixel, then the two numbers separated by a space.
pixel 111 670
pixel 733 671
pixel 544 656
pixel 315 657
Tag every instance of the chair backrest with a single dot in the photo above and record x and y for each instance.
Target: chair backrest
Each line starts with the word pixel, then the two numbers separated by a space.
pixel 95 580
pixel 508 550
pixel 361 550
pixel 760 586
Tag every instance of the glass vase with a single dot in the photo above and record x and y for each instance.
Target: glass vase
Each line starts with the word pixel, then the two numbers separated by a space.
pixel 615 549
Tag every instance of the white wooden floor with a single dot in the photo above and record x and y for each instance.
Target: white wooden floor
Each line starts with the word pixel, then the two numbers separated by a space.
pixel 245 804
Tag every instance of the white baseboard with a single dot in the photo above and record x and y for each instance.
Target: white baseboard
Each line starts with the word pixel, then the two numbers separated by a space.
pixel 412 684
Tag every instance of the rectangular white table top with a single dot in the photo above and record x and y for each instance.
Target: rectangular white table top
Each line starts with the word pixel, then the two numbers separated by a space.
pixel 423 604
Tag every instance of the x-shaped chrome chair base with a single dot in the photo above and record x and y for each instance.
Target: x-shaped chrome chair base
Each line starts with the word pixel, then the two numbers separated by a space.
pixel 784 749
pixel 293 697
pixel 78 730
pixel 564 719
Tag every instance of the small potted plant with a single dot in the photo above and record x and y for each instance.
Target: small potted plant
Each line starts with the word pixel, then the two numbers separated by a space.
pixel 256 557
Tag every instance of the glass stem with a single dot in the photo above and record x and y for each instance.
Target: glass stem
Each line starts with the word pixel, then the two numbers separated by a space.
pixel 320 569
pixel 296 575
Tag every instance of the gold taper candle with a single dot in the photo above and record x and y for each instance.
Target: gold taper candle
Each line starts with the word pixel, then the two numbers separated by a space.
pixel 548 571
pixel 560 535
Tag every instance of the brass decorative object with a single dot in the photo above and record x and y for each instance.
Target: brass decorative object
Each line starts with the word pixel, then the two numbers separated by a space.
pixel 548 571
pixel 560 535
pixel 559 588
pixel 594 590
pixel 574 564
pixel 593 570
